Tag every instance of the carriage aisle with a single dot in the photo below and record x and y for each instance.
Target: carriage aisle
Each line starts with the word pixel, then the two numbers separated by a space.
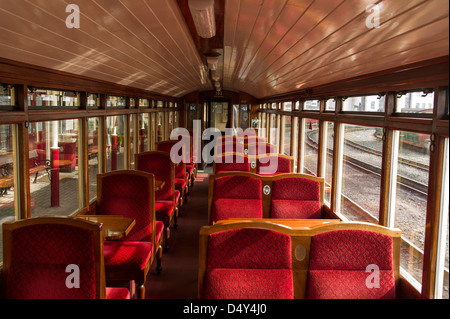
pixel 179 277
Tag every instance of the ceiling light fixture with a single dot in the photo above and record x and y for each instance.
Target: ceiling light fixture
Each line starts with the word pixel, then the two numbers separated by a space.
pixel 204 18
pixel 213 62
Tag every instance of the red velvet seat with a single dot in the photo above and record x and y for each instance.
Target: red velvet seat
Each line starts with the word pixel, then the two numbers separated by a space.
pixel 247 264
pixel 235 197
pixel 261 149
pixel 131 194
pixel 41 254
pixel 181 175
pixel 231 163
pixel 224 148
pixel 160 165
pixel 270 165
pixel 296 198
pixel 339 261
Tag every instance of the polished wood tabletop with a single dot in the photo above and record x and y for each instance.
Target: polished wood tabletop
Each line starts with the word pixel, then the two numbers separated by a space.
pixel 114 227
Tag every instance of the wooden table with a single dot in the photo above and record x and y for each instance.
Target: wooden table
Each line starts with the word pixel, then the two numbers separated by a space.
pixel 296 224
pixel 114 227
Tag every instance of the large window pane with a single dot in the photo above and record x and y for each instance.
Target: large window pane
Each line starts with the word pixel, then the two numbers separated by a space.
pixel 52 98
pixel 7 202
pixel 287 135
pixel 311 153
pixel 144 132
pixel 415 102
pixel 115 143
pixel 296 124
pixel 54 167
pixel 329 148
pixel 411 198
pixel 369 103
pixel 361 175
pixel 93 154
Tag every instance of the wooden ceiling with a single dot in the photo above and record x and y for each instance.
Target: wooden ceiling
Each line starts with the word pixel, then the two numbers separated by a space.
pixel 268 47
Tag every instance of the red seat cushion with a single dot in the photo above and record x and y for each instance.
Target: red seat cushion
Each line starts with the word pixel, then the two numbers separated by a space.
pixel 249 284
pixel 127 255
pixel 273 165
pixel 339 261
pixel 295 198
pixel 164 208
pixel 117 293
pixel 180 183
pixel 293 209
pixel 249 263
pixel 236 208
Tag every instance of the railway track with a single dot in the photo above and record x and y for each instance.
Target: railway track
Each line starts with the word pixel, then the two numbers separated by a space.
pixel 405 182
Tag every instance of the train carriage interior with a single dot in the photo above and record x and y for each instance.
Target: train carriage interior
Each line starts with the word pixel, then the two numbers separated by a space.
pixel 224 149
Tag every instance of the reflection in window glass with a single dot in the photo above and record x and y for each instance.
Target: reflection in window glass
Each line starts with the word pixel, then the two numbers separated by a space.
pixel 93 100
pixel 245 115
pixel 370 103
pixel 411 198
pixel 93 155
pixel 54 167
pixel 159 127
pixel 7 203
pixel 115 143
pixel 360 195
pixel 329 148
pixel 330 105
pixel 287 135
pixel 311 105
pixel 296 132
pixel 7 95
pixel 311 153
pixel 144 132
pixel 415 102
pixel 44 97
pixel 144 103
pixel 116 101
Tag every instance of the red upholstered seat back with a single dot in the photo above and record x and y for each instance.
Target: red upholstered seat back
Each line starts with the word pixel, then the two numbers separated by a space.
pixel 180 169
pixel 236 197
pixel 264 164
pixel 160 165
pixel 128 195
pixel 224 147
pixel 339 261
pixel 295 198
pixel 232 163
pixel 39 257
pixel 248 264
pixel 261 149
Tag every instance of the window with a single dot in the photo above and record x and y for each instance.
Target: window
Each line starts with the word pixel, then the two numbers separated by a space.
pixel 245 116
pixel 160 104
pixel 330 105
pixel 115 143
pixel 286 141
pixel 54 168
pixel 144 132
pixel 44 99
pixel 409 204
pixel 94 134
pixel 442 257
pixel 296 133
pixel 363 103
pixel 417 102
pixel 310 146
pixel 159 127
pixel 311 105
pixel 297 105
pixel 7 163
pixel 116 101
pixel 144 103
pixel 133 138
pixel 93 101
pixel 361 178
pixel 7 97
pixel 287 106
pixel 328 148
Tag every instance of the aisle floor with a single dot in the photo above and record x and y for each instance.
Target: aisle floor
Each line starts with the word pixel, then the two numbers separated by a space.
pixel 178 279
